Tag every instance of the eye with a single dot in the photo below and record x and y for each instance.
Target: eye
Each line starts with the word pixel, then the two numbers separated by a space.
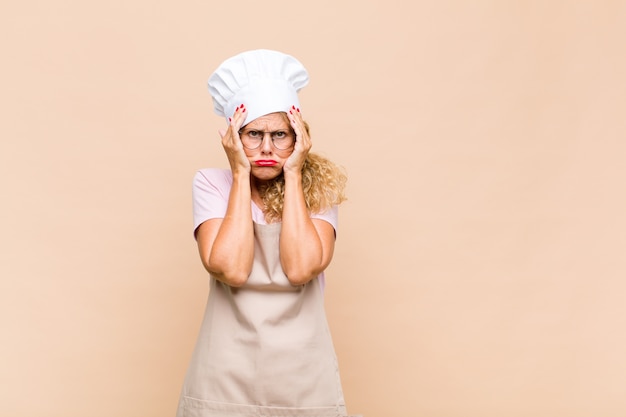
pixel 255 134
pixel 281 134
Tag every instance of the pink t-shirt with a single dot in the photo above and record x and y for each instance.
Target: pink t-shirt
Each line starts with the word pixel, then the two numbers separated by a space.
pixel 211 190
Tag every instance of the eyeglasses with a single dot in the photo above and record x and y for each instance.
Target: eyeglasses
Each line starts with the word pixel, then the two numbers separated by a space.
pixel 252 139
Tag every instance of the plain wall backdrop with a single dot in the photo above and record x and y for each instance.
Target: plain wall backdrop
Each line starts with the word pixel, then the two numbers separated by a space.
pixel 479 268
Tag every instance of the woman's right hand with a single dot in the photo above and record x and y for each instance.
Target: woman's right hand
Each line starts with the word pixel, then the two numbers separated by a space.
pixel 231 142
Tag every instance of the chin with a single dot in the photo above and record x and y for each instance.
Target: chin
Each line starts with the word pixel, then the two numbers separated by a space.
pixel 265 173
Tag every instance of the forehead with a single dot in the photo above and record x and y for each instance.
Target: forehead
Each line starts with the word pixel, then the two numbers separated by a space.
pixel 272 121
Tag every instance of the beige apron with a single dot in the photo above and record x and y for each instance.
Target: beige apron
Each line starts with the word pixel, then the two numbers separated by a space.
pixel 264 349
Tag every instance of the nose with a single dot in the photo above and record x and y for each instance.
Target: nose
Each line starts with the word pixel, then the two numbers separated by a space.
pixel 266 145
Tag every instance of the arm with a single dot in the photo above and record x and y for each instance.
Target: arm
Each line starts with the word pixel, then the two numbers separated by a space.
pixel 306 245
pixel 226 245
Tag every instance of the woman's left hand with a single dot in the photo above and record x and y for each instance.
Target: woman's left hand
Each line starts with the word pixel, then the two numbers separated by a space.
pixel 302 145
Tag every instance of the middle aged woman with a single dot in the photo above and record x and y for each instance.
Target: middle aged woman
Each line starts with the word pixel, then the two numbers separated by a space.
pixel 266 233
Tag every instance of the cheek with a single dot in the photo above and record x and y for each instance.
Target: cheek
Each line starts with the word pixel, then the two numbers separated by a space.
pixel 284 154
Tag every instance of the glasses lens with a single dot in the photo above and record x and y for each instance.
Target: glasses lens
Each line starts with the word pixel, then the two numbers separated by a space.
pixel 250 141
pixel 284 142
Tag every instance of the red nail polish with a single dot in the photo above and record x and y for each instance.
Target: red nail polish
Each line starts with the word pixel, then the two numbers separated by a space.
pixel 244 110
pixel 290 112
pixel 293 107
pixel 298 109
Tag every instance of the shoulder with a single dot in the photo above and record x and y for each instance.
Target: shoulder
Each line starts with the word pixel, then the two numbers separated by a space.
pixel 211 188
pixel 214 176
pixel 213 179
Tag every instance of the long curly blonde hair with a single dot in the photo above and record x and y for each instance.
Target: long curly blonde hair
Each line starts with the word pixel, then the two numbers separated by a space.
pixel 323 184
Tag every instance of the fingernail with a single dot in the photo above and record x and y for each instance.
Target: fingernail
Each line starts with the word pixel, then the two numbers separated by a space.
pixel 290 112
pixel 230 120
pixel 244 110
pixel 293 107
pixel 298 109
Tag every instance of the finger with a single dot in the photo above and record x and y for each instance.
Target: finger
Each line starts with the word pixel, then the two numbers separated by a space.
pixel 231 135
pixel 238 117
pixel 295 118
pixel 302 136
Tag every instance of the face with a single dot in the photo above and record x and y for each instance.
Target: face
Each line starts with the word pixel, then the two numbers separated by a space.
pixel 267 161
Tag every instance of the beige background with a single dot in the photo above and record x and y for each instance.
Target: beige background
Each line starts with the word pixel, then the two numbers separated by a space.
pixel 480 261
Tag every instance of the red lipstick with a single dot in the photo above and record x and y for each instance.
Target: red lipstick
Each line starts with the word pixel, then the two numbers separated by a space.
pixel 266 162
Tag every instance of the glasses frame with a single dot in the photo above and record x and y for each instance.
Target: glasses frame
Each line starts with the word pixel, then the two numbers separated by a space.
pixel 265 133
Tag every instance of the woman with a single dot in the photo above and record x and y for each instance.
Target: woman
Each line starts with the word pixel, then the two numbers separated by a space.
pixel 265 231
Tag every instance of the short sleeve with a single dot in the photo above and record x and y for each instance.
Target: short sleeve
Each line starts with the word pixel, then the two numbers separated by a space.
pixel 210 192
pixel 331 216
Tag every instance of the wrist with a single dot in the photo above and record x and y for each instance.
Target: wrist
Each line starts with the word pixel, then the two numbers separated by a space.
pixel 292 175
pixel 241 176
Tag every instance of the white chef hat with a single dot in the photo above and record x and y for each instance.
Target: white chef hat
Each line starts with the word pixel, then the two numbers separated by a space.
pixel 265 81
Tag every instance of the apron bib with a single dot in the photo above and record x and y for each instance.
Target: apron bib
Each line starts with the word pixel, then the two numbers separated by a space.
pixel 264 349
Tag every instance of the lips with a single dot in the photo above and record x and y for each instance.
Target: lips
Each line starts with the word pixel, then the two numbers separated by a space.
pixel 266 162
